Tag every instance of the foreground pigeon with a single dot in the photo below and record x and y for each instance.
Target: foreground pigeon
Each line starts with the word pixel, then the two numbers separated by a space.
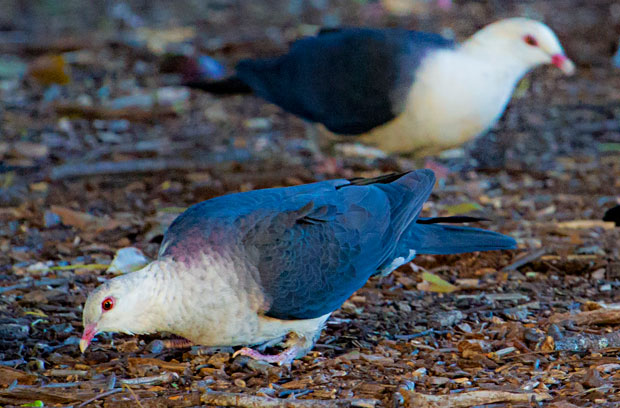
pixel 251 268
pixel 402 91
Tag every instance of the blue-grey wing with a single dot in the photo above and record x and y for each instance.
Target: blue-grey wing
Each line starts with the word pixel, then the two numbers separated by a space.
pixel 312 259
pixel 351 80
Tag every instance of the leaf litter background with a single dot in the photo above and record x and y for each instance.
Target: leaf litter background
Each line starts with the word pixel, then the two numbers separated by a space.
pixel 100 150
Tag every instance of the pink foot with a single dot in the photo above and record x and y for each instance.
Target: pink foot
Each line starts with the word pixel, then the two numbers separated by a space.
pixel 284 358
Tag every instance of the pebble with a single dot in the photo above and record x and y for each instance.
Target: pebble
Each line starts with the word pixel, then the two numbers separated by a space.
pixel 13 331
pixel 51 219
pixel 447 319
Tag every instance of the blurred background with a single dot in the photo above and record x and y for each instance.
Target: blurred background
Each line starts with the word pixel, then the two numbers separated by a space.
pixel 78 60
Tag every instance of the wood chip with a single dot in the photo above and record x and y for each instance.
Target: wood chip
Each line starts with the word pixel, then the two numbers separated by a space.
pixel 252 401
pixel 586 224
pixel 599 316
pixel 467 399
pixel 8 375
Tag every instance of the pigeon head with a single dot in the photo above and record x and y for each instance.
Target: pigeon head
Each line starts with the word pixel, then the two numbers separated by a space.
pixel 121 305
pixel 522 40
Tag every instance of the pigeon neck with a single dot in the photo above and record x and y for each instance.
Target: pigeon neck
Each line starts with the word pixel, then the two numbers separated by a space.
pixel 156 285
pixel 496 54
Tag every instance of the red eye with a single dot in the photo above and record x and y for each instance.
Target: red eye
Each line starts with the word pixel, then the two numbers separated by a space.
pixel 530 40
pixel 107 304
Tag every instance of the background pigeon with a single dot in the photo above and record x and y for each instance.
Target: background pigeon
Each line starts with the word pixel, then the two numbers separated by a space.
pixel 402 91
pixel 250 268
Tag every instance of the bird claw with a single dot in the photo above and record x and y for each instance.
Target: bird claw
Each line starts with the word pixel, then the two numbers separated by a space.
pixel 284 358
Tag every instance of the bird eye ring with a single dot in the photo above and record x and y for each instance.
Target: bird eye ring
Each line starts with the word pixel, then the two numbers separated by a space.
pixel 107 304
pixel 530 40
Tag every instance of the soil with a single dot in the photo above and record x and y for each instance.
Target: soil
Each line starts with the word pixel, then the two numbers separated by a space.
pixel 82 176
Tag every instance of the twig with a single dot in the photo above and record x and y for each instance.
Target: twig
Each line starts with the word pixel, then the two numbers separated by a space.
pixel 13 363
pixel 164 378
pixel 420 334
pixel 133 114
pixel 524 260
pixel 65 373
pixel 90 267
pixel 133 394
pixel 230 399
pixel 30 284
pixel 72 170
pixel 99 396
pixel 62 385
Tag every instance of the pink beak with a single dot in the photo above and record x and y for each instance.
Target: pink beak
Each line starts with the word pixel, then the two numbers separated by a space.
pixel 566 65
pixel 90 331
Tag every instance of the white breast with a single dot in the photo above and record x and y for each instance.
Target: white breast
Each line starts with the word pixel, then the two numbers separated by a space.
pixel 455 97
pixel 212 304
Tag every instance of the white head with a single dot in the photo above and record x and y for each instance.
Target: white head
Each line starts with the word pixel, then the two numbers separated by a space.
pixel 530 42
pixel 121 305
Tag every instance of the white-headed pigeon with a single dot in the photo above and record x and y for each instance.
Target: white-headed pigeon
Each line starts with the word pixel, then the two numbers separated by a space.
pixel 251 268
pixel 402 91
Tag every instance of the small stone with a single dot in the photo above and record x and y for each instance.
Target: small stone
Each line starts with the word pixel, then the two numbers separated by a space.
pixel 155 347
pixel 127 260
pixel 31 150
pixel 534 335
pixel 118 126
pixel 218 360
pixel 51 219
pixel 403 307
pixel 555 332
pixel 13 331
pixel 269 392
pixel 258 124
pixel 447 319
pixel 591 250
pixel 519 314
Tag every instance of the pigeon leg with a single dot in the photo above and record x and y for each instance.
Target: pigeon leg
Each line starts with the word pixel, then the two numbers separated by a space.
pixel 296 346
pixel 284 358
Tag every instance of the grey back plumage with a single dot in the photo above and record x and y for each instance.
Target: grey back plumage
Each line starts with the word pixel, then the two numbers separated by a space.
pixel 351 80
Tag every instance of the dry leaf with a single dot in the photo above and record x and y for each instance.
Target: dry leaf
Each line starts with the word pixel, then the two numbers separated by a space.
pixel 8 375
pixel 433 283
pixel 84 221
pixel 50 69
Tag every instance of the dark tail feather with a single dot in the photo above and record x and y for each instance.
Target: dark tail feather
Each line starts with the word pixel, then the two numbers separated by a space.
pixel 454 219
pixel 438 239
pixel 228 86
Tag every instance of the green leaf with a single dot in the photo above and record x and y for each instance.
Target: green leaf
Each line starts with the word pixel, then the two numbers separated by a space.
pixel 37 403
pixel 608 147
pixel 462 208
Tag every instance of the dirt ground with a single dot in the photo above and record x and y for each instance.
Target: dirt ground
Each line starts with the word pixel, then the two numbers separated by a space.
pixel 91 162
